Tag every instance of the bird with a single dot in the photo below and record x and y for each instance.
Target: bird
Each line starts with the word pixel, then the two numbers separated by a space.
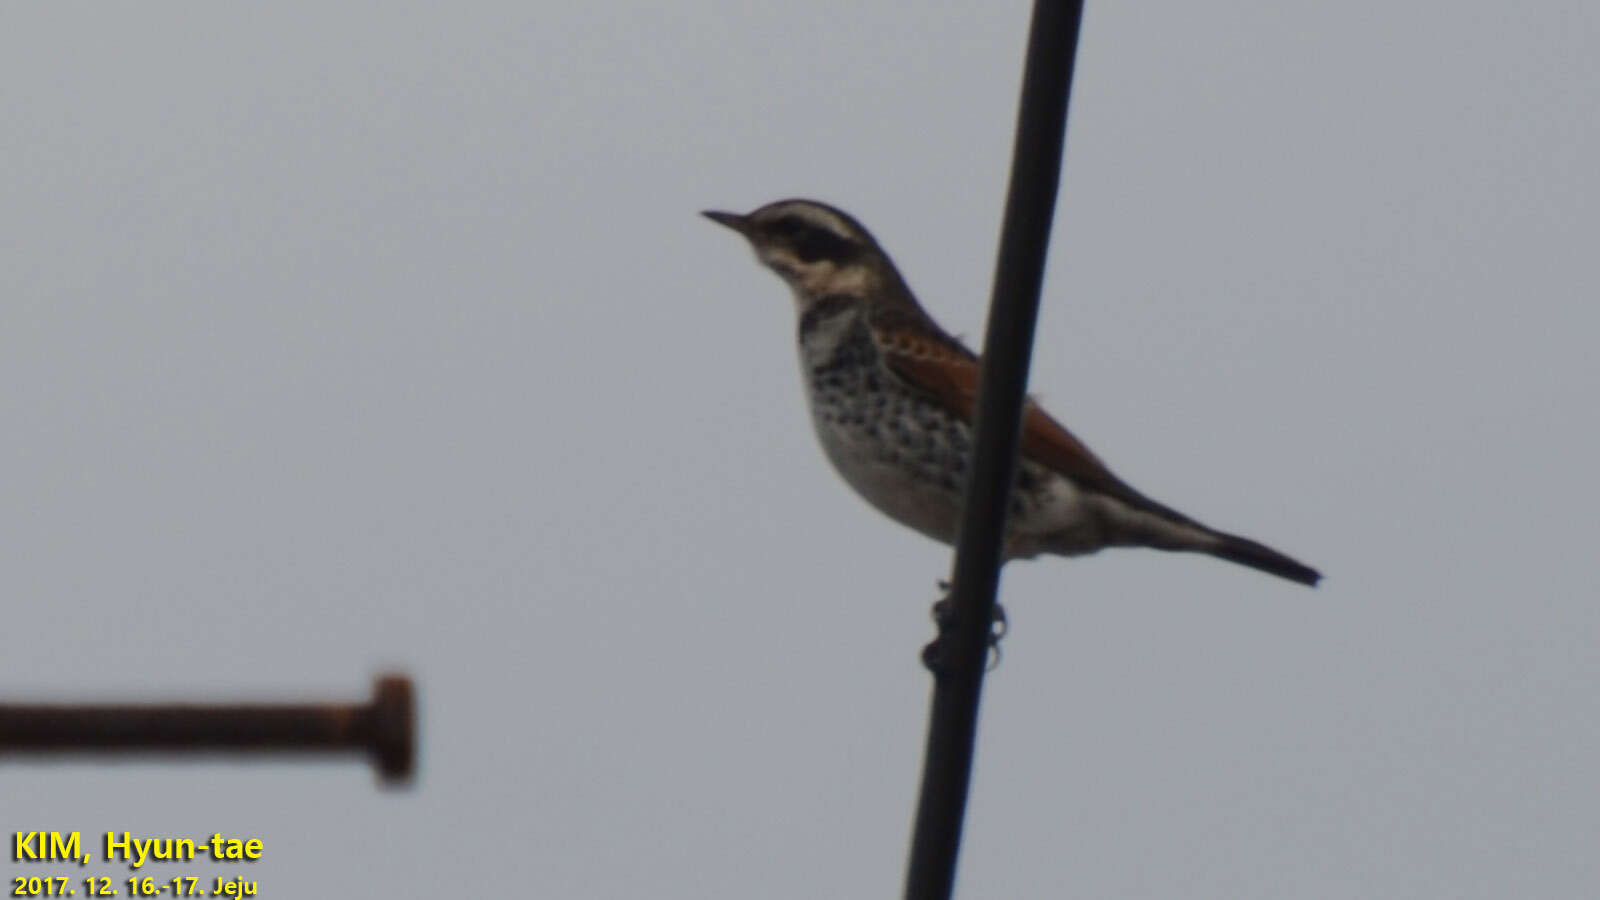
pixel 893 397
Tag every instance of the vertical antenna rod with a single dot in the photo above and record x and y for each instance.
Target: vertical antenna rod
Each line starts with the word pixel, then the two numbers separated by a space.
pixel 959 654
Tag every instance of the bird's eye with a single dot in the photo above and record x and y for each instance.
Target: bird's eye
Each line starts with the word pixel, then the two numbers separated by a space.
pixel 788 226
pixel 815 244
pixel 811 242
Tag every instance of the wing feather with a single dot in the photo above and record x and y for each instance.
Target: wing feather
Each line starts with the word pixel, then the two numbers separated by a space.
pixel 947 372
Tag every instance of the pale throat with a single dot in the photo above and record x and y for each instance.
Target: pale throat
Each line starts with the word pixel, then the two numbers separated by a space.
pixel 813 282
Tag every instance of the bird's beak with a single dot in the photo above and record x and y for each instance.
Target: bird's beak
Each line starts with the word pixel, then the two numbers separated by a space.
pixel 735 221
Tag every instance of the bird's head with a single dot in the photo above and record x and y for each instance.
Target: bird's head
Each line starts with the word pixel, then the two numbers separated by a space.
pixel 820 251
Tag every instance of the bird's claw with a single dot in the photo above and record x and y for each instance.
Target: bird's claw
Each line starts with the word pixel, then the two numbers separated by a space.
pixel 999 625
pixel 935 657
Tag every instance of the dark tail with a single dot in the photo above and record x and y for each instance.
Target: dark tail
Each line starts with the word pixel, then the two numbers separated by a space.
pixel 1246 552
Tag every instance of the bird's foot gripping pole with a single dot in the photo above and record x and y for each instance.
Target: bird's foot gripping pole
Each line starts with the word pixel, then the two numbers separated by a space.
pixel 935 654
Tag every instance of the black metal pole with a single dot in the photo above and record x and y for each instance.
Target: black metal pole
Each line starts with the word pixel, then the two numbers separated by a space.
pixel 962 650
pixel 383 729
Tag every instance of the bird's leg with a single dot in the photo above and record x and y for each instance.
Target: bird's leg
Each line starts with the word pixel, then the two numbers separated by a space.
pixel 943 611
pixel 999 624
pixel 935 657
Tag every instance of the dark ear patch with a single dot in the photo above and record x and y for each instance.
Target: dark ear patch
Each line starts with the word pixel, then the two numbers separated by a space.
pixel 789 227
pixel 813 243
pixel 818 244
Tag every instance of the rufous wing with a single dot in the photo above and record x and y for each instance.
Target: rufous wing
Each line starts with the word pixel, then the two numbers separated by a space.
pixel 947 372
pixel 938 366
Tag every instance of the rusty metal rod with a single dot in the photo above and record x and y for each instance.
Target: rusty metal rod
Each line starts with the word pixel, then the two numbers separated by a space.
pixel 384 729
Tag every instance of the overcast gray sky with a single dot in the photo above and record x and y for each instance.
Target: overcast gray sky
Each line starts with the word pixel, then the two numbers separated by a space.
pixel 341 339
